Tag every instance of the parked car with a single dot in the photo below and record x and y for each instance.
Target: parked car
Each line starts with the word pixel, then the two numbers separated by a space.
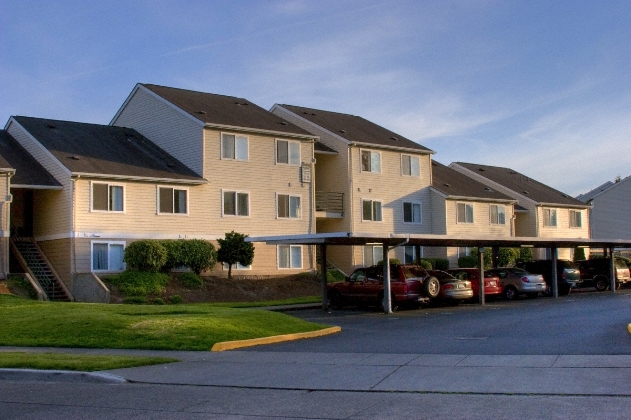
pixel 492 285
pixel 452 290
pixel 409 284
pixel 568 274
pixel 596 272
pixel 518 281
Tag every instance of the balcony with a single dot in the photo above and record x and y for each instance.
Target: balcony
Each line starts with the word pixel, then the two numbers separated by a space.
pixel 329 204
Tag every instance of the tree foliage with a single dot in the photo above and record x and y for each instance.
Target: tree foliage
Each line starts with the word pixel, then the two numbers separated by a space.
pixel 233 249
pixel 145 255
pixel 579 254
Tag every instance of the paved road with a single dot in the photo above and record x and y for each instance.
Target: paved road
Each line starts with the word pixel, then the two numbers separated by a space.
pixel 453 363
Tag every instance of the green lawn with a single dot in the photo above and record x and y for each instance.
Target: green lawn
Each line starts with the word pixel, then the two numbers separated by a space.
pixel 78 362
pixel 162 327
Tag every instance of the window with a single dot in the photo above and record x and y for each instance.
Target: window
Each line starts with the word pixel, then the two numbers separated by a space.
pixel 236 266
pixel 371 161
pixel 236 203
pixel 289 256
pixel 464 251
pixel 108 256
pixel 288 206
pixel 498 215
pixel 412 212
pixel 288 152
pixel 465 213
pixel 172 201
pixel 107 197
pixel 550 217
pixel 576 219
pixel 234 147
pixel 410 165
pixel 371 210
pixel 409 254
pixel 372 254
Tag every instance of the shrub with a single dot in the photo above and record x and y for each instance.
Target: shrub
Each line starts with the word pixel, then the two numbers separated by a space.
pixel 441 264
pixel 139 283
pixel 199 255
pixel 467 262
pixel 190 280
pixel 19 286
pixel 426 264
pixel 334 276
pixel 579 254
pixel 488 257
pixel 525 254
pixel 234 249
pixel 135 300
pixel 146 255
pixel 392 261
pixel 158 301
pixel 175 256
pixel 176 299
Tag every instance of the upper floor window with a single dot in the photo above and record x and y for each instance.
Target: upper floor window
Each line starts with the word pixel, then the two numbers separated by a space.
pixel 498 214
pixel 172 200
pixel 107 197
pixel 465 213
pixel 576 219
pixel 412 212
pixel 236 203
pixel 371 161
pixel 288 152
pixel 410 165
pixel 371 210
pixel 234 147
pixel 288 206
pixel 550 217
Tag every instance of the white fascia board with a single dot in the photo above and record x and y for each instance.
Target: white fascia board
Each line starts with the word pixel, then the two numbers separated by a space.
pixel 38 187
pixel 565 206
pixel 309 137
pixel 139 178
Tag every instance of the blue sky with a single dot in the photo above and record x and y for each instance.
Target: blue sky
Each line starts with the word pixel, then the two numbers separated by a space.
pixel 542 87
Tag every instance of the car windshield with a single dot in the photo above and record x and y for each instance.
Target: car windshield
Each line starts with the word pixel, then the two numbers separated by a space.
pixel 414 272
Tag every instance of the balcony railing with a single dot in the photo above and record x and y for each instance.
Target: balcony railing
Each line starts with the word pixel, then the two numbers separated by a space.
pixel 330 202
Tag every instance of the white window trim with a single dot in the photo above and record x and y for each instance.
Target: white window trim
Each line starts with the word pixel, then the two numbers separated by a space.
pixel 411 202
pixel 362 210
pixel 290 247
pixel 236 215
pixel 361 169
pixel 113 184
pixel 556 217
pixel 288 155
pixel 571 219
pixel 411 157
pixel 123 243
pixel 221 156
pixel 236 266
pixel 188 199
pixel 472 213
pixel 289 217
pixel 490 213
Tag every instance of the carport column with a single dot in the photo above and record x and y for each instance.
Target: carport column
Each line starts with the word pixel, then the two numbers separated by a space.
pixel 554 280
pixel 612 271
pixel 387 303
pixel 325 298
pixel 481 285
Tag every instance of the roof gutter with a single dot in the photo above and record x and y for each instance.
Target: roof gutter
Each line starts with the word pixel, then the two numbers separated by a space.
pixel 140 178
pixel 387 147
pixel 573 206
pixel 310 137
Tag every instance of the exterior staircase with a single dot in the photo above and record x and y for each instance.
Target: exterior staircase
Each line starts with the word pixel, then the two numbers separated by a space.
pixel 329 265
pixel 34 262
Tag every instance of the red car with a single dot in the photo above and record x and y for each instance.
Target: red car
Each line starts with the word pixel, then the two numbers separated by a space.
pixel 492 284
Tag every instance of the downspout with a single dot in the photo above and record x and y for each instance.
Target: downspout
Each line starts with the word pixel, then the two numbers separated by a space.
pixel 351 198
pixel 73 211
pixel 6 209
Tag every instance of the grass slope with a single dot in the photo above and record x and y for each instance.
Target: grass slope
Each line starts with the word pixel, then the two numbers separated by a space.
pixel 76 362
pixel 171 327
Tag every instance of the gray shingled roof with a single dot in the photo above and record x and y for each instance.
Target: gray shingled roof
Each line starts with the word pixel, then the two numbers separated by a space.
pixel 522 184
pixel 354 128
pixel 225 110
pixel 593 193
pixel 28 171
pixel 321 147
pixel 453 183
pixel 105 150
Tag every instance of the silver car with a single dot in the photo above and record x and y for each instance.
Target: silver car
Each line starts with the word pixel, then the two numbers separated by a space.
pixel 517 281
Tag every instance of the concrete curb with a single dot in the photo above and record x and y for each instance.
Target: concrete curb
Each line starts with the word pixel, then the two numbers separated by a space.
pixel 231 345
pixel 59 376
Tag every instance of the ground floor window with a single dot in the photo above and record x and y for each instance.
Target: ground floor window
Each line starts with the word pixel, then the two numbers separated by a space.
pixel 372 254
pixel 108 256
pixel 464 251
pixel 289 256
pixel 237 266
pixel 409 256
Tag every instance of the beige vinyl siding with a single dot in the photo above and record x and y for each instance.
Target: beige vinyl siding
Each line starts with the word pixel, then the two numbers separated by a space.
pixel 562 229
pixel 526 223
pixel 58 253
pixel 5 208
pixel 439 213
pixel 481 225
pixel 172 130
pixel 332 176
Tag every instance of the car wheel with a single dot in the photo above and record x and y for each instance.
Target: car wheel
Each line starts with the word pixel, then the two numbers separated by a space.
pixel 601 284
pixel 533 295
pixel 510 293
pixel 335 300
pixel 431 287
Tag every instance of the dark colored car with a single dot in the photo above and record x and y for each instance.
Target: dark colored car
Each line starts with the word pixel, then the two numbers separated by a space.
pixel 492 285
pixel 568 274
pixel 452 290
pixel 595 272
pixel 409 284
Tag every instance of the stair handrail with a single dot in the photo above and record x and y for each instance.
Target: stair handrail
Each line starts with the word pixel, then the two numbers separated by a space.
pixel 52 269
pixel 41 295
pixel 29 273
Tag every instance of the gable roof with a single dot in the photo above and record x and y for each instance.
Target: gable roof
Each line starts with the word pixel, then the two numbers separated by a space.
pixel 455 184
pixel 523 185
pixel 355 129
pixel 28 171
pixel 225 110
pixel 590 195
pixel 104 150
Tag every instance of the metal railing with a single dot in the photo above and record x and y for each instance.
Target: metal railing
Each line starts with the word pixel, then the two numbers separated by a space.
pixel 330 202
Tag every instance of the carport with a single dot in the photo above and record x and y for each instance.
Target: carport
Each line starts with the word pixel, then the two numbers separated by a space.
pixel 323 240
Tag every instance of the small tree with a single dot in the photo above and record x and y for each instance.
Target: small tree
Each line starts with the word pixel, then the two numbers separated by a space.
pixel 234 249
pixel 579 254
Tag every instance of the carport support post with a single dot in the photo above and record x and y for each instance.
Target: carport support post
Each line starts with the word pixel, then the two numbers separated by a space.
pixel 554 280
pixel 481 286
pixel 387 303
pixel 325 298
pixel 612 271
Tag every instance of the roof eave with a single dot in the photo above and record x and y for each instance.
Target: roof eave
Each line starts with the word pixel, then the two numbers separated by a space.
pixel 388 147
pixel 140 178
pixel 310 137
pixel 574 206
